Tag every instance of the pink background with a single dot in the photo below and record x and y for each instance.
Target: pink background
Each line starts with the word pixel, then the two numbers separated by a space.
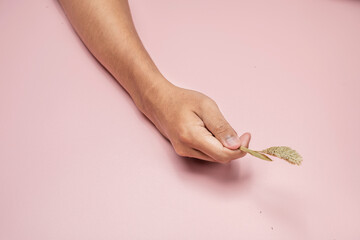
pixel 79 161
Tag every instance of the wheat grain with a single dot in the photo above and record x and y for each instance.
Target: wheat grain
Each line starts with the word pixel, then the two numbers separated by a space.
pixel 285 153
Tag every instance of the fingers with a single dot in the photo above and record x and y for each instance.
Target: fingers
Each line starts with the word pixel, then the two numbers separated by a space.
pixel 186 151
pixel 219 127
pixel 198 142
pixel 205 134
pixel 245 139
pixel 194 153
pixel 209 145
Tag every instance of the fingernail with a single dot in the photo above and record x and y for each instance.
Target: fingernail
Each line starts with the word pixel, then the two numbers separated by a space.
pixel 232 141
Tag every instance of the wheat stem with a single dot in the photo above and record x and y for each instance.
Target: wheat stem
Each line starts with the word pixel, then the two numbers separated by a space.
pixel 255 153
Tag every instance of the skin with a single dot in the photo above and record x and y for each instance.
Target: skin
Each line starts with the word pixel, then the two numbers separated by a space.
pixel 190 120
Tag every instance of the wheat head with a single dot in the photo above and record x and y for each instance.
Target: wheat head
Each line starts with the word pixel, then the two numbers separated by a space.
pixel 285 153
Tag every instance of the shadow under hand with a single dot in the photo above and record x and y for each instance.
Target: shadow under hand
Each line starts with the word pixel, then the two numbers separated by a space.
pixel 231 178
pixel 225 173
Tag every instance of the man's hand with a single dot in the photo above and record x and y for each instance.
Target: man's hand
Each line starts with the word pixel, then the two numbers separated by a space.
pixel 194 124
pixel 187 118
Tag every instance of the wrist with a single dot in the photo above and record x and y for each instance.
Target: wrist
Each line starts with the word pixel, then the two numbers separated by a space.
pixel 152 96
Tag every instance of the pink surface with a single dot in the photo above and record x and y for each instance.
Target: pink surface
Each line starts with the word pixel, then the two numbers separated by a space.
pixel 78 161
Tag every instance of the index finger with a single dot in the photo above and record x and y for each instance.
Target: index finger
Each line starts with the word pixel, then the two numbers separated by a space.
pixel 205 142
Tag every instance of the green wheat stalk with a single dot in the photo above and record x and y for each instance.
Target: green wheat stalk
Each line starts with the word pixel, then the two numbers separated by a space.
pixel 282 152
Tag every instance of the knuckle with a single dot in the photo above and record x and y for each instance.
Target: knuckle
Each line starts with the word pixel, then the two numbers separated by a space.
pixel 184 135
pixel 221 128
pixel 180 151
pixel 208 102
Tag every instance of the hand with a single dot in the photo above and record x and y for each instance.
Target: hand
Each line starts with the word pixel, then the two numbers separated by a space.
pixel 190 120
pixel 194 125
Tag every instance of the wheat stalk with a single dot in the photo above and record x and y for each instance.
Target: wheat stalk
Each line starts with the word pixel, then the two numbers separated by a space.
pixel 282 152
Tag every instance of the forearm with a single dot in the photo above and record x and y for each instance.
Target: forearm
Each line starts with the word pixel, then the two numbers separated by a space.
pixel 106 28
pixel 190 120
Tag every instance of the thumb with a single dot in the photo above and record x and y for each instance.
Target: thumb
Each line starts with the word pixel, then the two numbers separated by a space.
pixel 216 123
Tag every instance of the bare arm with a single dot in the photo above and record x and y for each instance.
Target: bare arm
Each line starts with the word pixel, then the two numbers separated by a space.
pixel 106 28
pixel 190 120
